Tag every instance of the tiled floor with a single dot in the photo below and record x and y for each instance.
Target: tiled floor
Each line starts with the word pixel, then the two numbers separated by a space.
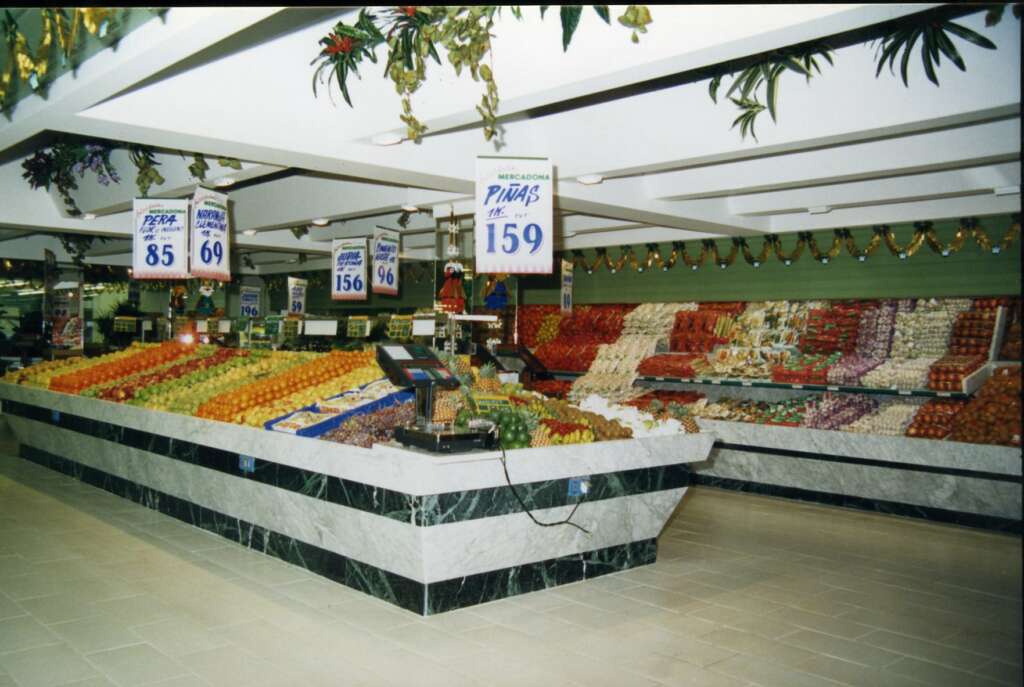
pixel 95 591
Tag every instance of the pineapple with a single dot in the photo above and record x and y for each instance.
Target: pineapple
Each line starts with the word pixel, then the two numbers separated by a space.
pixel 690 425
pixel 488 382
pixel 460 365
pixel 540 437
pixel 446 406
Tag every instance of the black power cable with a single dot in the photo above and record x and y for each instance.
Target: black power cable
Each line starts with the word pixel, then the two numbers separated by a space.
pixel 508 480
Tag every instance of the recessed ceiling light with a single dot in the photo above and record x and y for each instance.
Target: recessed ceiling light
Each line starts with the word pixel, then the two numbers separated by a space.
pixel 820 210
pixel 89 215
pixel 224 181
pixel 249 232
pixel 410 208
pixel 1006 190
pixel 321 222
pixel 387 139
pixel 590 179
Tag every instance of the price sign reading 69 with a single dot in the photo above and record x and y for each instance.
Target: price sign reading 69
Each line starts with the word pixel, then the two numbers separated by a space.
pixel 160 241
pixel 513 232
pixel 210 243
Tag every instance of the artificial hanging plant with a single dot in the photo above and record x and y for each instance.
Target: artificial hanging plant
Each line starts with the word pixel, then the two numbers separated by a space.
pixel 61 162
pixel 412 32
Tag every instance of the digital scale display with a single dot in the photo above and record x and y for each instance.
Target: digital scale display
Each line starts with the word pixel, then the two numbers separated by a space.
pixel 414 365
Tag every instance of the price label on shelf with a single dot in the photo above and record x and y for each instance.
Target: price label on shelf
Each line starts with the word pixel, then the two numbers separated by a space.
pixel 567 280
pixel 903 392
pixel 716 381
pixel 746 384
pixel 385 261
pixel 210 244
pixel 514 217
pixel 348 270
pixel 832 388
pixel 944 394
pixel 160 239
pixel 249 301
pixel 798 386
pixel 297 296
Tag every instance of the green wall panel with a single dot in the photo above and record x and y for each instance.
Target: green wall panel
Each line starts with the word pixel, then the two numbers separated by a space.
pixel 970 272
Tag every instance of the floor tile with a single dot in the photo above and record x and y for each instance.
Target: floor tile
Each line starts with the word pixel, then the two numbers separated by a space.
pixel 845 649
pixel 59 608
pixel 139 664
pixel 24 632
pixel 767 673
pixel 179 636
pixel 934 674
pixel 95 634
pixel 47 666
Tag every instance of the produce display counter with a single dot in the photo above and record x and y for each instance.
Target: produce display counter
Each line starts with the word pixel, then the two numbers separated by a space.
pixel 425 532
pixel 970 484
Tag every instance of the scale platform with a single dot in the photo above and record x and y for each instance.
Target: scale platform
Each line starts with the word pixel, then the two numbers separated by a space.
pixel 447 440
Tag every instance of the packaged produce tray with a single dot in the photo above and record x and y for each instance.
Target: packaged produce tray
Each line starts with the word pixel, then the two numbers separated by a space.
pixel 332 420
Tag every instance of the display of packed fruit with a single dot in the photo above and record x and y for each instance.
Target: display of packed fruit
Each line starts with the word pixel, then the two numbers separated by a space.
pixel 835 411
pixel 972 332
pixel 555 388
pixel 806 368
pixel 948 372
pixel 677 365
pixel 993 416
pixel 788 413
pixel 935 418
pixel 376 427
pixel 832 329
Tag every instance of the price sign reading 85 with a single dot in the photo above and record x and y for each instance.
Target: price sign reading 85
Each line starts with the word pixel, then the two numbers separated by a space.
pixel 514 217
pixel 210 245
pixel 160 241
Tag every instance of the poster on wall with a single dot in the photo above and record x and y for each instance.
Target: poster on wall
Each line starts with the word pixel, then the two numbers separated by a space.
pixel 66 317
pixel 210 241
pixel 348 270
pixel 566 286
pixel 385 261
pixel 514 231
pixel 160 239
pixel 297 296
pixel 249 301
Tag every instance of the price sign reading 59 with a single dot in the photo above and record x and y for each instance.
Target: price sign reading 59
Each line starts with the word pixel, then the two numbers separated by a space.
pixel 160 241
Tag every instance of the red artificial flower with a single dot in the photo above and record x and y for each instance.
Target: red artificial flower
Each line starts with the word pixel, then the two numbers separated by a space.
pixel 341 44
pixel 408 10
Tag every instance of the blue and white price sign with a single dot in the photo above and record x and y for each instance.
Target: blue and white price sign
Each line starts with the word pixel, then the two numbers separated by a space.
pixel 249 301
pixel 297 296
pixel 160 240
pixel 385 261
pixel 348 270
pixel 210 243
pixel 566 286
pixel 514 217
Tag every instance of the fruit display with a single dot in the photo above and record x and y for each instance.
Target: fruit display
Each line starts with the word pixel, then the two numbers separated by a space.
pixel 615 366
pixel 806 368
pixel 891 418
pixel 1011 348
pixel 555 388
pixel 789 413
pixel 660 402
pixel 993 416
pixel 833 329
pixel 599 426
pixel 113 369
pixel 531 320
pixel 900 373
pixel 835 411
pixel 372 428
pixel 354 378
pixel 566 356
pixel 40 374
pixel 972 333
pixel 935 418
pixel 948 372
pixel 204 358
pixel 925 331
pixel 700 330
pixel 677 365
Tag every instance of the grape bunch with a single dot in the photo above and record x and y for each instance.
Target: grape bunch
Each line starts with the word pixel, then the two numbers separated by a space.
pixel 373 428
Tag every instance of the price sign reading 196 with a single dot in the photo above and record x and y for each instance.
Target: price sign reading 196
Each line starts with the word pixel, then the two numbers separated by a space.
pixel 160 240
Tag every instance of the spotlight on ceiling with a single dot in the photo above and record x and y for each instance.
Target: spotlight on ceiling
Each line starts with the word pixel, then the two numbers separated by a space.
pixel 410 208
pixel 249 232
pixel 224 181
pixel 302 258
pixel 320 222
pixel 299 232
pixel 820 210
pixel 590 179
pixel 1006 190
pixel 89 215
pixel 387 139
pixel 403 219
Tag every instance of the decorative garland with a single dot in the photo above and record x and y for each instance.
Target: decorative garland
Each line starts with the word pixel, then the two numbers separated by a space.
pixel 411 32
pixel 61 30
pixel 924 233
pixel 68 157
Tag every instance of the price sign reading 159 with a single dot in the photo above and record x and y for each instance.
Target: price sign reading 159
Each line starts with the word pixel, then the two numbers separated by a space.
pixel 514 216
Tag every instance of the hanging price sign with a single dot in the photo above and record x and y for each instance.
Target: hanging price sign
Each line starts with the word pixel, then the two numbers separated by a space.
pixel 249 301
pixel 210 243
pixel 297 296
pixel 566 286
pixel 385 261
pixel 160 241
pixel 514 217
pixel 348 270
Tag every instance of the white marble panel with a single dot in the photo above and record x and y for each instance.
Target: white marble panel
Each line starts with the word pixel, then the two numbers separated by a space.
pixel 952 454
pixel 367 538
pixel 948 492
pixel 476 546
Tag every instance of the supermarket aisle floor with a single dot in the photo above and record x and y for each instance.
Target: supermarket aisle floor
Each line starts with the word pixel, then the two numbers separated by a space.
pixel 96 591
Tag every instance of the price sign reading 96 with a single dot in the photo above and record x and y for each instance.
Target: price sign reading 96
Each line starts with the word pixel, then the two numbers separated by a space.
pixel 210 244
pixel 160 241
pixel 385 261
pixel 348 271
pixel 514 218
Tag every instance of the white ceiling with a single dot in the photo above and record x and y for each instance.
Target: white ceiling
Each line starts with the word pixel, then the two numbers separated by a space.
pixel 236 82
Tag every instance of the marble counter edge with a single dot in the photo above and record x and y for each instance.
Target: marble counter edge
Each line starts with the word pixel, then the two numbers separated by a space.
pixel 1004 460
